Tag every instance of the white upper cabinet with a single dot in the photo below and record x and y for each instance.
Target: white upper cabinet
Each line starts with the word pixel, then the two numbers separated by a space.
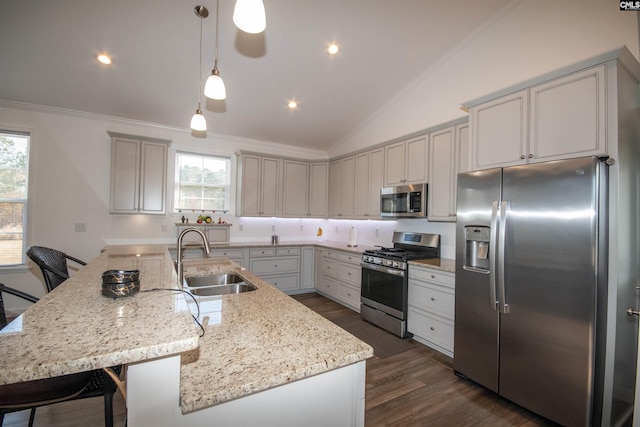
pixel 318 205
pixel 362 185
pixel 449 154
pixel 259 185
pixel 406 162
pixel 369 178
pixel 296 188
pixel 138 175
pixel 305 189
pixel 376 180
pixel 561 118
pixel 441 192
pixel 342 177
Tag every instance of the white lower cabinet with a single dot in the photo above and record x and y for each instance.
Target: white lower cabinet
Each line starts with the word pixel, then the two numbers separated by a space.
pixel 280 266
pixel 339 275
pixel 431 307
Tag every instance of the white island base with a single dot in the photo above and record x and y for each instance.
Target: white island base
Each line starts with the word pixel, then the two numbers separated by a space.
pixel 333 398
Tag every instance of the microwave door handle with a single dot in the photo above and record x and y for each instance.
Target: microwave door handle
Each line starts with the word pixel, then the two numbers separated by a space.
pixel 502 232
pixel 493 255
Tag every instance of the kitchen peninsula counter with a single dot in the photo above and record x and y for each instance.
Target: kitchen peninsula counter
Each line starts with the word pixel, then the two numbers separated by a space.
pixel 74 328
pixel 260 348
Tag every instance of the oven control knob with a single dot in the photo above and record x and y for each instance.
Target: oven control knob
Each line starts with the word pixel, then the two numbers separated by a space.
pixel 395 264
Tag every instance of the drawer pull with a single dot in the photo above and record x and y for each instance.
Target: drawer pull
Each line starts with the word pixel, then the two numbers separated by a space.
pixel 433 299
pixel 275 266
pixel 433 276
pixel 432 328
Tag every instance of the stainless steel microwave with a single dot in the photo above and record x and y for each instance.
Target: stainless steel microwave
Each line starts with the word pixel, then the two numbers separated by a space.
pixel 406 201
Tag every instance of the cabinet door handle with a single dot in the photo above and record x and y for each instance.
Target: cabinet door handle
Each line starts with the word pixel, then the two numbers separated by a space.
pixel 531 156
pixel 432 328
pixel 433 299
pixel 522 157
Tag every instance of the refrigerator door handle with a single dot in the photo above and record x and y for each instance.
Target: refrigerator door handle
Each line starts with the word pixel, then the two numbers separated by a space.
pixel 502 303
pixel 493 254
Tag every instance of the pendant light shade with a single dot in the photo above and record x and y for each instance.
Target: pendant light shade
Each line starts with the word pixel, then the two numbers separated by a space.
pixel 249 16
pixel 214 87
pixel 198 122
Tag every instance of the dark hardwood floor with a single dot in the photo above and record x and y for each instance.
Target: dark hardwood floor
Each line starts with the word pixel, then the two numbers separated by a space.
pixel 416 387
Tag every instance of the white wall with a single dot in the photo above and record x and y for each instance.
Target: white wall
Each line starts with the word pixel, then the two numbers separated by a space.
pixel 70 179
pixel 522 41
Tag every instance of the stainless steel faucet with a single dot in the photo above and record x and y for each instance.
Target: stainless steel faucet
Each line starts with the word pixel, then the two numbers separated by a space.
pixel 179 266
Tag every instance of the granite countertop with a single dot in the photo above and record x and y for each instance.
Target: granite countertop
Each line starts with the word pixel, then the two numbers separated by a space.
pixel 257 340
pixel 283 244
pixel 74 328
pixel 444 264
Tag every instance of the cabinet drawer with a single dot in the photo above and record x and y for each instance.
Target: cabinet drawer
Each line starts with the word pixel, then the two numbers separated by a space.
pixel 228 253
pixel 349 294
pixel 275 265
pixel 329 286
pixel 430 329
pixel 438 299
pixel 287 251
pixel 285 283
pixel 350 258
pixel 431 275
pixel 349 273
pixel 330 267
pixel 258 252
pixel 329 253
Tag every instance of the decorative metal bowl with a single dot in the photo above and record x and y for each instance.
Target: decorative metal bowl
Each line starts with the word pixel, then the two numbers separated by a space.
pixel 120 276
pixel 120 290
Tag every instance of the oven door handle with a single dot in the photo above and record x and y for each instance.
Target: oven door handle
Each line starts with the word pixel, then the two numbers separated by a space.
pixel 382 269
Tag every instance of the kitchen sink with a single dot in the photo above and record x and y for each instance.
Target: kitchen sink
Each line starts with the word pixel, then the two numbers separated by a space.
pixel 236 288
pixel 212 280
pixel 217 284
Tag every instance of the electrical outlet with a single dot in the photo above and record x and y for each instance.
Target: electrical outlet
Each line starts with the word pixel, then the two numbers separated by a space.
pixel 377 231
pixel 336 228
pixel 301 227
pixel 81 227
pixel 241 227
pixel 273 227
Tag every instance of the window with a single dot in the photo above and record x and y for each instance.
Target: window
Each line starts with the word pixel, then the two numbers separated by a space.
pixel 14 172
pixel 202 182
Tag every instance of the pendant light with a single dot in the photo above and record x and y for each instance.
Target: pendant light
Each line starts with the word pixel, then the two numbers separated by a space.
pixel 249 16
pixel 214 87
pixel 198 122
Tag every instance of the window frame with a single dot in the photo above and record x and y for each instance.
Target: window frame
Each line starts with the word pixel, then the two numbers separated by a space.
pixel 177 184
pixel 27 202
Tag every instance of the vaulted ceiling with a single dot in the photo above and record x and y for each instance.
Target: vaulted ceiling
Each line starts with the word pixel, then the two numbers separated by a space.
pixel 48 54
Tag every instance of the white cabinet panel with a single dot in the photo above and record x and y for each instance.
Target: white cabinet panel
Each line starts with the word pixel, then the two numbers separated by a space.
pixel 296 188
pixel 562 118
pixel 259 185
pixel 138 175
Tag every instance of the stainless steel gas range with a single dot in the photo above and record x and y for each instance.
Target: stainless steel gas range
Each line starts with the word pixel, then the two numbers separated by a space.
pixel 383 299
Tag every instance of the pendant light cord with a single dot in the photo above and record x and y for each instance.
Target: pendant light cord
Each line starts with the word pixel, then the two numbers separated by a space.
pixel 200 69
pixel 215 65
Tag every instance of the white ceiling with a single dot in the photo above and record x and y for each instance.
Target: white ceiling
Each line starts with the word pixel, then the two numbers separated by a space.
pixel 48 49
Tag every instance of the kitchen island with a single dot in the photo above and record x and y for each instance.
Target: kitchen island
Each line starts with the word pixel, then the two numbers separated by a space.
pixel 264 359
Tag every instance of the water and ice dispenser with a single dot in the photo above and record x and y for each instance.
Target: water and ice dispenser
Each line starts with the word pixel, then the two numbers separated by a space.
pixel 477 247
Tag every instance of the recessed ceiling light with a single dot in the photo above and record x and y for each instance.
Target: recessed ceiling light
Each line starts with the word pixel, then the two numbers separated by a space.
pixel 104 59
pixel 292 105
pixel 333 49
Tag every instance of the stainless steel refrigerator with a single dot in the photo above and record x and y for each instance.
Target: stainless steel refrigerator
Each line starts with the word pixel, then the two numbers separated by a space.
pixel 531 282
